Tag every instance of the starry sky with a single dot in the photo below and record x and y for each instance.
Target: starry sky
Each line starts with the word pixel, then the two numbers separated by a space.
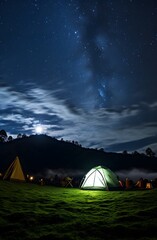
pixel 83 70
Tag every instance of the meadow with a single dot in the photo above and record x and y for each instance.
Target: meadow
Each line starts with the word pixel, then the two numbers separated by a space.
pixel 30 211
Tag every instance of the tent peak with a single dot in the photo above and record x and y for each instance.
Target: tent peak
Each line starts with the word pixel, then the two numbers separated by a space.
pixel 15 172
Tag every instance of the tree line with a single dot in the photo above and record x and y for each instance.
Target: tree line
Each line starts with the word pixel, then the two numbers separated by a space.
pixel 5 138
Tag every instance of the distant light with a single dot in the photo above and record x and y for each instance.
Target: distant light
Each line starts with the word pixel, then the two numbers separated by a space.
pixel 39 129
pixel 31 178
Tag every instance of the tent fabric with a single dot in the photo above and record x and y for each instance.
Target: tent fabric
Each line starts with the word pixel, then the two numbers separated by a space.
pixel 100 178
pixel 15 172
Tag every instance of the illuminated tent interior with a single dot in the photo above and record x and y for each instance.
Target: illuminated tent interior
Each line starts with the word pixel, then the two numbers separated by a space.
pixel 100 178
pixel 14 172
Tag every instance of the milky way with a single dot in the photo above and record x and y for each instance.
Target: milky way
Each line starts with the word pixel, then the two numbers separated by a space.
pixel 83 70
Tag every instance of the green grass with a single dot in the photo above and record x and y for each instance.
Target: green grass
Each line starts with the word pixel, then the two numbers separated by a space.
pixel 29 211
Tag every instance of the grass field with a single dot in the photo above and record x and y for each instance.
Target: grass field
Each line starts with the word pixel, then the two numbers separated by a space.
pixel 29 211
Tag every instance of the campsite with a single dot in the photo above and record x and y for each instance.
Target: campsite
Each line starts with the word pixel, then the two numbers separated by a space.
pixel 78 120
pixel 30 211
pixel 97 207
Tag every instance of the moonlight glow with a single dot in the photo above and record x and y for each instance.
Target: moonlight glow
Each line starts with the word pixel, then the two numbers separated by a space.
pixel 38 129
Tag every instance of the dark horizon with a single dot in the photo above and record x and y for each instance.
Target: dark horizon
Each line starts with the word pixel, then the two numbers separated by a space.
pixel 43 155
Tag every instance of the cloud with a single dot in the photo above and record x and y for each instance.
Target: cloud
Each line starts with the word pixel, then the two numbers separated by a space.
pixel 113 129
pixel 139 144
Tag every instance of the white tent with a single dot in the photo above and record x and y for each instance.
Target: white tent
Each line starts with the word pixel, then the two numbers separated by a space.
pixel 15 172
pixel 100 178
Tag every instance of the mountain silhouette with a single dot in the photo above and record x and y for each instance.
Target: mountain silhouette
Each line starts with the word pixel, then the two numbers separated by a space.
pixel 40 152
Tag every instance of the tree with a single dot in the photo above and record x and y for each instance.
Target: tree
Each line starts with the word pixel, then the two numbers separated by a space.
pixel 19 135
pixel 3 136
pixel 10 138
pixel 149 152
pixel 125 152
pixel 3 133
pixel 101 149
pixel 24 135
pixel 136 153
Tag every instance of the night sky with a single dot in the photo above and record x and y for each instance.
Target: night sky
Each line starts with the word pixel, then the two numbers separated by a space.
pixel 83 70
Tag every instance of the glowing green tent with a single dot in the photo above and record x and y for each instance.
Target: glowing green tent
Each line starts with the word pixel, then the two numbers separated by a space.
pixel 100 178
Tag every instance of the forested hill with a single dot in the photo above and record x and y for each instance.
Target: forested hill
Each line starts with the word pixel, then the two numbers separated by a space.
pixel 40 152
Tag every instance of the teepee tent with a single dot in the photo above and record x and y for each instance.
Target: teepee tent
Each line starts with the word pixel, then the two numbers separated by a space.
pixel 100 178
pixel 15 172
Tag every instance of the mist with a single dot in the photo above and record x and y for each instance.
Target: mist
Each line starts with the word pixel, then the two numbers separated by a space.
pixel 60 172
pixel 136 174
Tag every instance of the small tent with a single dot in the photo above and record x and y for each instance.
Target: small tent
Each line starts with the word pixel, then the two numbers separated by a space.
pixel 15 172
pixel 100 178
